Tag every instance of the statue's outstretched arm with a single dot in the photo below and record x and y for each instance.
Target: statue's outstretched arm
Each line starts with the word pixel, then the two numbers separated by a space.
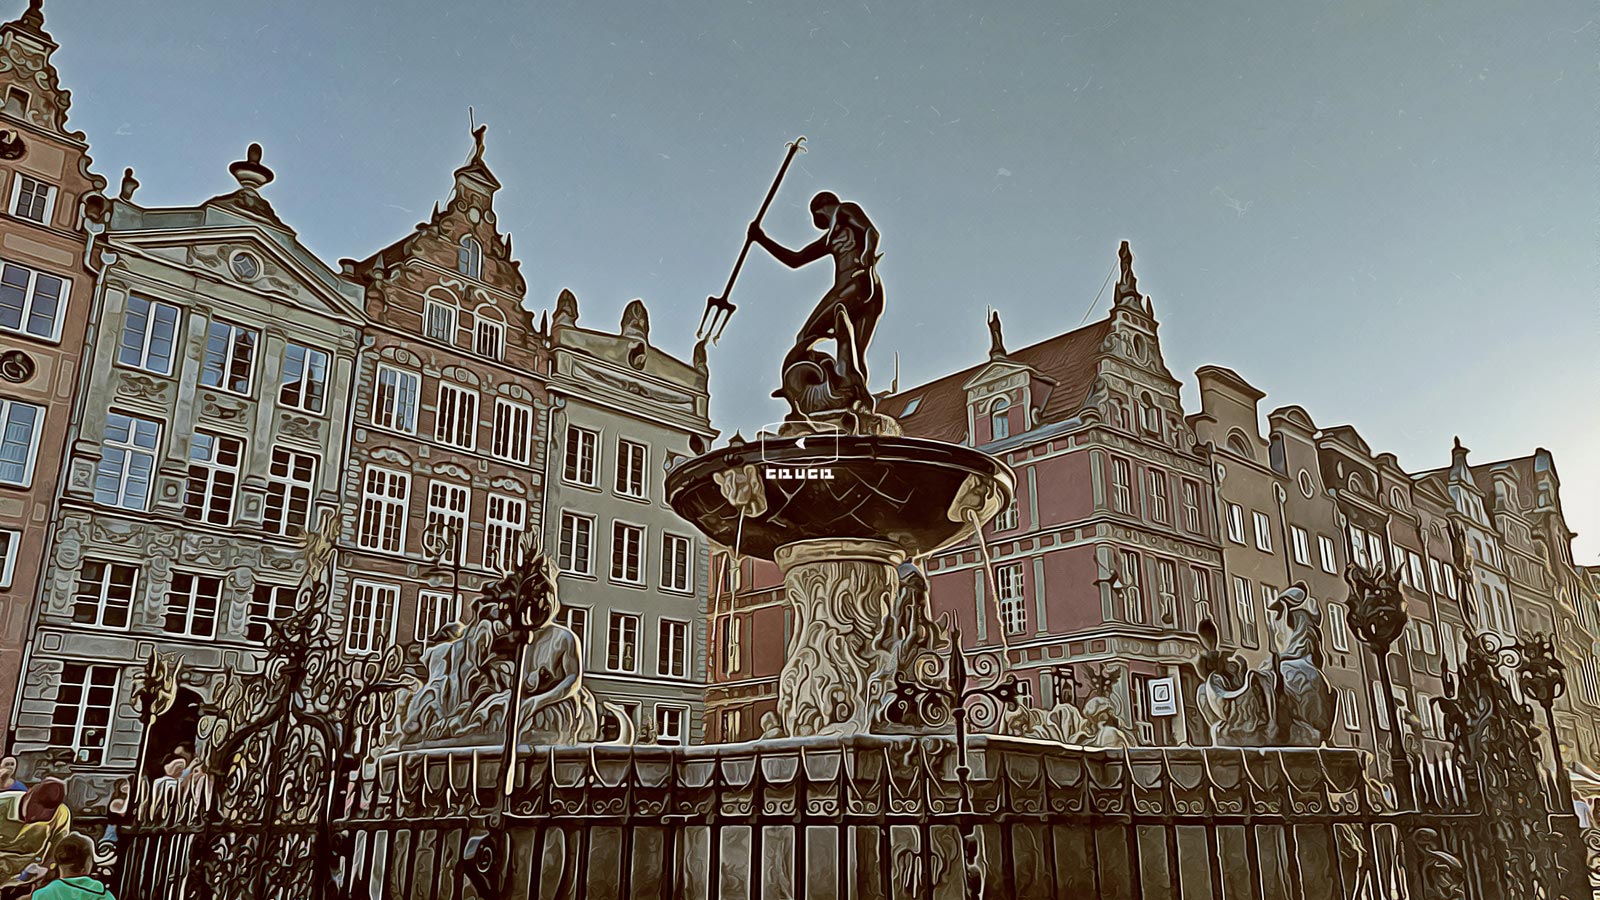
pixel 794 259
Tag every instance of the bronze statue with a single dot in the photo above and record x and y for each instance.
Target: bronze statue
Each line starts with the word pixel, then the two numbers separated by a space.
pixel 848 314
pixel 1287 702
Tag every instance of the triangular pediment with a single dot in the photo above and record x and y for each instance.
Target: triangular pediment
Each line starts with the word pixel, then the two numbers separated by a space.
pixel 996 370
pixel 292 274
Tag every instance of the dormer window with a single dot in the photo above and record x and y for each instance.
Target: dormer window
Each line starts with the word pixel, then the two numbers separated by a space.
pixel 1000 419
pixel 490 339
pixel 16 102
pixel 911 407
pixel 469 257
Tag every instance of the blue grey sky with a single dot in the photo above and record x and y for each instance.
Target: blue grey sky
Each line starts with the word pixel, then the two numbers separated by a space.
pixel 1384 212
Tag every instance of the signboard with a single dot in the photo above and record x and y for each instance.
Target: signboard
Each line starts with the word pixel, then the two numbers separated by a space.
pixel 1163 697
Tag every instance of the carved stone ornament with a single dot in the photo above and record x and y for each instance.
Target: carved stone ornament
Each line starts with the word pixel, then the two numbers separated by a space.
pixel 1287 702
pixel 838 675
pixel 16 366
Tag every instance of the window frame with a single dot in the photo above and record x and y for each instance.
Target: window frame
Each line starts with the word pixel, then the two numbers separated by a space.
pixel 147 338
pixel 379 626
pixel 30 296
pixel 46 215
pixel 384 503
pixel 1327 550
pixel 441 505
pixel 496 330
pixel 218 475
pixel 303 390
pixel 572 456
pixel 505 441
pixel 289 486
pixel 458 426
pixel 1262 525
pixel 618 528
pixel 1121 488
pixel 1236 524
pixel 1300 539
pixel 129 450
pixel 102 595
pixel 625 467
pixel 30 461
pixel 617 642
pixel 681 737
pixel 566 556
pixel 469 257
pixel 435 606
pixel 450 309
pixel 669 561
pixel 1156 486
pixel 274 605
pixel 502 533
pixel 191 601
pixel 678 646
pixel 394 410
pixel 230 357
pixel 1011 598
pixel 84 754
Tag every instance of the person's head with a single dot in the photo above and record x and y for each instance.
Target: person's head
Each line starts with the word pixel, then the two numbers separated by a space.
pixel 74 855
pixel 8 768
pixel 42 800
pixel 822 207
pixel 175 765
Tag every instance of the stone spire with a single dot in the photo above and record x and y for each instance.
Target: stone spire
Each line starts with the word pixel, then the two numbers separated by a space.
pixel 636 321
pixel 1458 462
pixel 32 21
pixel 566 310
pixel 1127 282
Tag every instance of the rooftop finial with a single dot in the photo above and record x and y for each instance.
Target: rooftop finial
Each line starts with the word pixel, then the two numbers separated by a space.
pixel 249 172
pixel 477 144
pixel 34 17
pixel 129 185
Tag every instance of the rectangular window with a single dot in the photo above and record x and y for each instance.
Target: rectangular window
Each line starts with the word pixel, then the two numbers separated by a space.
pixel 1010 593
pixel 149 334
pixel 1358 546
pixel 448 508
pixel 1245 608
pixel 1330 556
pixel 104 595
pixel 1419 578
pixel 305 379
pixel 370 627
pixel 394 405
pixel 577 544
pixel 631 468
pixel 622 643
pixel 127 461
pixel 669 725
pixel 436 610
pixel 490 339
pixel 455 421
pixel 214 463
pixel 1397 557
pixel 1191 506
pixel 1338 631
pixel 672 649
pixel 1158 496
pixel 1167 588
pixel 33 199
pixel 1263 526
pixel 192 605
pixel 31 301
pixel 579 467
pixel 440 321
pixel 19 441
pixel 505 518
pixel 1236 523
pixel 385 496
pixel 1380 711
pixel 1450 582
pixel 10 543
pixel 1121 485
pixel 1008 518
pixel 230 357
pixel 1351 703
pixel 1302 545
pixel 85 699
pixel 268 604
pixel 291 480
pixel 732 644
pixel 576 619
pixel 1375 548
pixel 513 423
pixel 627 553
pixel 1132 586
pixel 1200 592
pixel 675 572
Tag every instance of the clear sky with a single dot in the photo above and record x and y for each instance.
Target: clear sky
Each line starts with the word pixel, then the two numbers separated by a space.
pixel 1384 212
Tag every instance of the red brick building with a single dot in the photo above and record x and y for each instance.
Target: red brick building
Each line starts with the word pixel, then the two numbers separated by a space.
pixel 448 396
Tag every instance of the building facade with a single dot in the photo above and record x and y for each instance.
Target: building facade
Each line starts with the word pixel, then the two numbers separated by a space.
pixel 634 576
pixel 52 215
pixel 445 472
pixel 209 433
pixel 1109 558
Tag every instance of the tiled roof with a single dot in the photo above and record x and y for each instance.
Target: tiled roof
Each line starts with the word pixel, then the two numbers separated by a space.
pixel 939 408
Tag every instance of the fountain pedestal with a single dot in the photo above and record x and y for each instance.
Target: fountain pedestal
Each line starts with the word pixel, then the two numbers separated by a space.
pixel 838 674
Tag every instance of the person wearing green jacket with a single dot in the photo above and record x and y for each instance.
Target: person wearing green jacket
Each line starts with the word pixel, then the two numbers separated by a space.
pixel 74 862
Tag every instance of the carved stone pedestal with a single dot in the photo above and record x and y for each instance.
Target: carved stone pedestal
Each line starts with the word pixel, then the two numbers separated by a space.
pixel 838 673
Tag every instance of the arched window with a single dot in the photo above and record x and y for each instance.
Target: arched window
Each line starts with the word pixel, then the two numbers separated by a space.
pixel 1239 445
pixel 1000 419
pixel 1149 412
pixel 469 257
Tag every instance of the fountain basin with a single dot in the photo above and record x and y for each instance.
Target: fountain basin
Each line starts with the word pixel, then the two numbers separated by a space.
pixel 911 492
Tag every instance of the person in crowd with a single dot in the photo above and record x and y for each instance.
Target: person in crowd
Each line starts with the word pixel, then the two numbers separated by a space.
pixel 8 775
pixel 74 872
pixel 32 823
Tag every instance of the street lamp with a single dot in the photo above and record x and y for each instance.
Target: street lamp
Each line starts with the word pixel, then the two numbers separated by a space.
pixel 1378 616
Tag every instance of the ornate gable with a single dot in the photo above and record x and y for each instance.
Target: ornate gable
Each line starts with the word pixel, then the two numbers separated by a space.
pixel 29 87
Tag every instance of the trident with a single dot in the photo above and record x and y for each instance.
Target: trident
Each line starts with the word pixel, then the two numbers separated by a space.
pixel 719 309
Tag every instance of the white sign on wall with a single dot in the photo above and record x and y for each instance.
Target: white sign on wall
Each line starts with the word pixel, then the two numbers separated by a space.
pixel 1163 697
